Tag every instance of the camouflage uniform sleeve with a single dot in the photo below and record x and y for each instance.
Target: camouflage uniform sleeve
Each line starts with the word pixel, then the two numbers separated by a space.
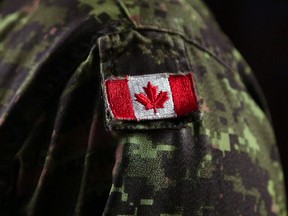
pixel 225 163
pixel 62 143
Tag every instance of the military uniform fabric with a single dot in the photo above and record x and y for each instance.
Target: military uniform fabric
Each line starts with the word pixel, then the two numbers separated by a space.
pixel 63 153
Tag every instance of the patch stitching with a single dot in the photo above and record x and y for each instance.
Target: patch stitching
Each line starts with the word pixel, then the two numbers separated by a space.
pixel 117 90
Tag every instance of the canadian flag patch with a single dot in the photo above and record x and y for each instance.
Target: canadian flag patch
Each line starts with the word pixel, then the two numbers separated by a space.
pixel 152 96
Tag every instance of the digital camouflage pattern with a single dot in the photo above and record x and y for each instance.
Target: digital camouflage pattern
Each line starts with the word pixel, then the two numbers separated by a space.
pixel 58 147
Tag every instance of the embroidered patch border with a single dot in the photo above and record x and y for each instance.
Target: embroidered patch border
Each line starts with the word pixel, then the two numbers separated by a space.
pixel 151 96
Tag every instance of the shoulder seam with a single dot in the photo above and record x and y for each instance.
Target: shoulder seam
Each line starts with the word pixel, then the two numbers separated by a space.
pixel 179 33
pixel 189 40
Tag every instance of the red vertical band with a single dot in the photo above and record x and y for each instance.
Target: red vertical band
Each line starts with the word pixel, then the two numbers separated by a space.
pixel 119 99
pixel 183 93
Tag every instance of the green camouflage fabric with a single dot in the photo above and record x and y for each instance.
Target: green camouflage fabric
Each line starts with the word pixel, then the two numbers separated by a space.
pixel 60 154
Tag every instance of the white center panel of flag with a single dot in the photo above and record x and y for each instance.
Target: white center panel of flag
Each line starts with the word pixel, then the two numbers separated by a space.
pixel 136 86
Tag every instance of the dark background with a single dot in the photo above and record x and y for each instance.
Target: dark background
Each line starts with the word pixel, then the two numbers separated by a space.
pixel 259 29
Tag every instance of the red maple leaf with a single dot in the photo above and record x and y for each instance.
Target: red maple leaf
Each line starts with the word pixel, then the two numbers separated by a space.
pixel 153 100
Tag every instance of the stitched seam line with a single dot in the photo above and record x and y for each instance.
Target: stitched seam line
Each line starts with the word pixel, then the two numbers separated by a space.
pixel 165 30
